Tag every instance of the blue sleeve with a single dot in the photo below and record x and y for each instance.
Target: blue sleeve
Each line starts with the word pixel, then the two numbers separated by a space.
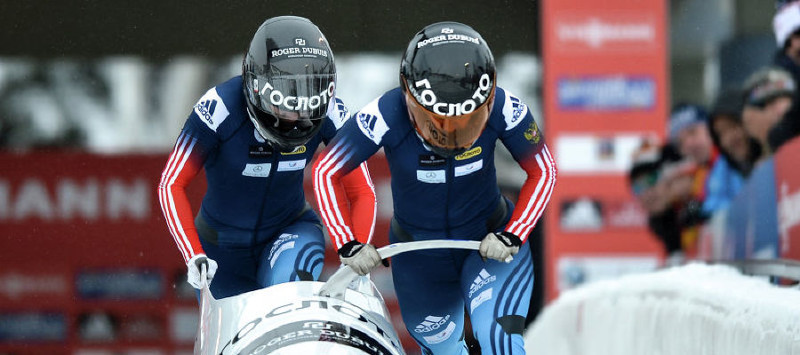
pixel 519 131
pixel 722 185
pixel 354 143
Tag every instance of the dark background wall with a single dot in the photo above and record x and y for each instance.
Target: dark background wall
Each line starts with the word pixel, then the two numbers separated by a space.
pixel 163 28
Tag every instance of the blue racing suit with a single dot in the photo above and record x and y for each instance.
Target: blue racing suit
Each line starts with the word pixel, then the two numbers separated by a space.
pixel 254 220
pixel 456 197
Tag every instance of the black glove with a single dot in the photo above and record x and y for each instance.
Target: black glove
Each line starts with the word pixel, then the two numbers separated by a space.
pixel 362 258
pixel 500 246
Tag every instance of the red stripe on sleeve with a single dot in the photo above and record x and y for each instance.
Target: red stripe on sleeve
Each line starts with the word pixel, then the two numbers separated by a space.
pixel 329 192
pixel 535 193
pixel 363 207
pixel 181 168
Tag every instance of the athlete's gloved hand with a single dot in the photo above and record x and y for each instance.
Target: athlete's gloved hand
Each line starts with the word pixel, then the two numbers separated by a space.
pixel 196 265
pixel 500 246
pixel 362 258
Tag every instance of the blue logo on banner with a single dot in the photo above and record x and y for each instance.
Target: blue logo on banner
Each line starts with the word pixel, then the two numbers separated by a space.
pixel 606 93
pixel 32 326
pixel 131 284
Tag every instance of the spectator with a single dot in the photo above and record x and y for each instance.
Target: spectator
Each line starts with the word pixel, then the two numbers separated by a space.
pixel 786 25
pixel 688 130
pixel 725 178
pixel 728 133
pixel 688 185
pixel 644 178
pixel 768 96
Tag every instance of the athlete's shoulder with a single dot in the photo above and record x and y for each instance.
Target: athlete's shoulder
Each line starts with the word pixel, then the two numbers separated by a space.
pixel 338 113
pixel 383 116
pixel 508 110
pixel 217 104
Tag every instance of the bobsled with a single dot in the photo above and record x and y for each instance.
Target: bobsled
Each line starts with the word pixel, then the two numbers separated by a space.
pixel 345 315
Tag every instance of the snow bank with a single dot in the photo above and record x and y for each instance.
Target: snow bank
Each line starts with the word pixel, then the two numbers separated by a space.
pixel 694 309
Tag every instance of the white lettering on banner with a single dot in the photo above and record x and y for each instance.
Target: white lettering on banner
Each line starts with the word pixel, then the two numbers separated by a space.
pixel 595 32
pixel 131 200
pixel 296 103
pixel 16 286
pixel 69 199
pixel 788 214
pixel 75 198
pixel 428 99
pixel 33 201
pixel 5 192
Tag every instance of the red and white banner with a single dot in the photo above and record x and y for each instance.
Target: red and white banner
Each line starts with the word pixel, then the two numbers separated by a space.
pixel 787 183
pixel 88 263
pixel 605 90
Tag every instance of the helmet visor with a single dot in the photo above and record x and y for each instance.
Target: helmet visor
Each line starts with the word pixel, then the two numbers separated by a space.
pixel 291 108
pixel 451 132
pixel 295 97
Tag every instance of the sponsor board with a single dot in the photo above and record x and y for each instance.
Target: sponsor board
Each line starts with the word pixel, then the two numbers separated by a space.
pixel 603 32
pixel 574 271
pixel 589 153
pixel 606 93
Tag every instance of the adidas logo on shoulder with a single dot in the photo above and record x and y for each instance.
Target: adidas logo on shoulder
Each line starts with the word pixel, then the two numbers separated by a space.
pixel 211 109
pixel 205 109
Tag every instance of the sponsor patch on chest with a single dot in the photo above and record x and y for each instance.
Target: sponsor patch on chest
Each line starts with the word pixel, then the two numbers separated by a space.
pixel 432 176
pixel 257 170
pixel 259 151
pixel 470 168
pixel 428 160
pixel 291 165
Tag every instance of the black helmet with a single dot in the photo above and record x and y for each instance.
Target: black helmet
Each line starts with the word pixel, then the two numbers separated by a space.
pixel 289 80
pixel 448 76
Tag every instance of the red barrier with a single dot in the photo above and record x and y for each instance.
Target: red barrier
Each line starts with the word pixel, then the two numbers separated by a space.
pixel 86 256
pixel 787 182
pixel 605 90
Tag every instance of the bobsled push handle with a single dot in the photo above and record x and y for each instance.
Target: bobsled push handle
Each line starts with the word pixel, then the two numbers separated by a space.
pixel 339 281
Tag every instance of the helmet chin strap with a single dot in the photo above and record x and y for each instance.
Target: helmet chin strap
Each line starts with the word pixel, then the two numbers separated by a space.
pixel 261 131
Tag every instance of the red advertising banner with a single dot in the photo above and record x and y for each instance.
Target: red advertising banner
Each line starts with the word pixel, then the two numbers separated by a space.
pixel 88 265
pixel 87 262
pixel 605 91
pixel 787 183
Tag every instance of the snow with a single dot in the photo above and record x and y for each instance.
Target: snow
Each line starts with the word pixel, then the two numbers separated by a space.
pixel 693 309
